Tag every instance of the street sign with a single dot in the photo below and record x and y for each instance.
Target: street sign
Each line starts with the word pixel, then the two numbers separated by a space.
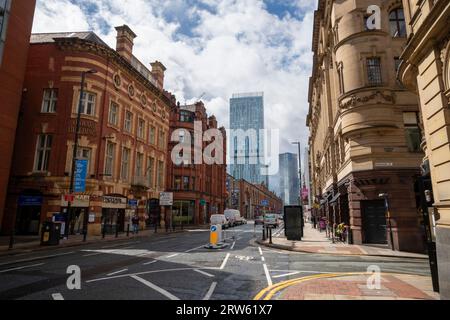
pixel 30 201
pixel 215 235
pixel 202 202
pixel 166 198
pixel 265 203
pixel 69 198
pixel 80 175
pixel 133 203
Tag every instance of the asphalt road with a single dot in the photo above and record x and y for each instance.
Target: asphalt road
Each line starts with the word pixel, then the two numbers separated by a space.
pixel 174 266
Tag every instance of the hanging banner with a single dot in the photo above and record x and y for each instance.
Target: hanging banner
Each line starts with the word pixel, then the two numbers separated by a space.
pixel 80 175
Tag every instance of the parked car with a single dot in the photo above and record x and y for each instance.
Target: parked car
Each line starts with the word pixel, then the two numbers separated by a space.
pixel 219 219
pixel 230 215
pixel 271 219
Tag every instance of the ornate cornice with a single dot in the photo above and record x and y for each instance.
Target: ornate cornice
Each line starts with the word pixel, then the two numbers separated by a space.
pixel 82 45
pixel 355 100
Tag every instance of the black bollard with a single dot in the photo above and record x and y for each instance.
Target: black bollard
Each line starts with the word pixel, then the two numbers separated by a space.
pixel 264 233
pixel 128 230
pixel 103 231
pixel 270 235
pixel 117 231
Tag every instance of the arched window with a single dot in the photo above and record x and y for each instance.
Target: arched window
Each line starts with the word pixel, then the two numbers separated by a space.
pixel 397 23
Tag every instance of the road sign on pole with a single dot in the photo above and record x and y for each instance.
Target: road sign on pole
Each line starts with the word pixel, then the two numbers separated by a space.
pixel 166 199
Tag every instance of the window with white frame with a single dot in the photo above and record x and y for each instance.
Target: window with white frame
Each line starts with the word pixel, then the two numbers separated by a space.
pixel 5 6
pixel 113 117
pixel 43 149
pixel 152 135
pixel 125 165
pixel 160 183
pixel 49 101
pixel 128 125
pixel 88 104
pixel 162 139
pixel 397 23
pixel 109 162
pixel 141 129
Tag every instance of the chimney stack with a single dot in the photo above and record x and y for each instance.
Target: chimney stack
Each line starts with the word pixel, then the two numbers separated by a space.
pixel 125 42
pixel 158 70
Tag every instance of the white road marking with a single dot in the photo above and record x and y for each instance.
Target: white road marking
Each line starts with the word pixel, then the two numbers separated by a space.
pixel 204 273
pixel 299 271
pixel 156 288
pixel 172 255
pixel 37 258
pixel 194 249
pixel 260 251
pixel 92 254
pixel 124 252
pixel 286 275
pixel 224 262
pixel 210 291
pixel 150 262
pixel 232 246
pixel 266 271
pixel 57 296
pixel 23 267
pixel 117 272
pixel 145 272
pixel 263 259
pixel 120 244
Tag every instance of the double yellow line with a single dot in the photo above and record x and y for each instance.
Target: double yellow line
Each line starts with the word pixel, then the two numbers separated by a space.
pixel 268 293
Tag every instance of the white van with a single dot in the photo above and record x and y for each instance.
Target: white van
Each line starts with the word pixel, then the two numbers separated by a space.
pixel 217 219
pixel 233 217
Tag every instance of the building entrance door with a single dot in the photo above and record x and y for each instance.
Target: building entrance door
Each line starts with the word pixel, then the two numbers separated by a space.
pixel 374 221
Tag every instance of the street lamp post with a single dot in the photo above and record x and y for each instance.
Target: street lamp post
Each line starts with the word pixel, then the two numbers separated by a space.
pixel 388 216
pixel 75 151
pixel 299 170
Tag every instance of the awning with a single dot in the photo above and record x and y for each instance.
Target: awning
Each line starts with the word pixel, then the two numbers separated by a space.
pixel 335 197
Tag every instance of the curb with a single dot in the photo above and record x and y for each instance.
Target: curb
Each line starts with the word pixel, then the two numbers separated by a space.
pixel 287 248
pixel 38 248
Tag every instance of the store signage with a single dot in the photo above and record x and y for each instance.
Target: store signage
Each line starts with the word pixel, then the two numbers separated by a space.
pixel 114 202
pixel 87 127
pixel 80 175
pixel 77 200
pixel 166 198
pixel 30 201
pixel 202 202
pixel 384 164
pixel 133 203
pixel 265 203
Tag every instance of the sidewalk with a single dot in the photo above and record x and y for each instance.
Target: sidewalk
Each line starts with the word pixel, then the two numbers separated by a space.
pixel 355 287
pixel 314 241
pixel 26 244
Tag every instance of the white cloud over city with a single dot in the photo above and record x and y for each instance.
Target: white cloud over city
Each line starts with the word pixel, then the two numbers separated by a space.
pixel 216 47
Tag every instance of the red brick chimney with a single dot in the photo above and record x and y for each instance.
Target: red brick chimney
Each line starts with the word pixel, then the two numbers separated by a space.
pixel 125 41
pixel 158 70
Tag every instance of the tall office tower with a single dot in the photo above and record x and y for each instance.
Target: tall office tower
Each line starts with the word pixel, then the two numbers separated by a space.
pixel 246 140
pixel 289 179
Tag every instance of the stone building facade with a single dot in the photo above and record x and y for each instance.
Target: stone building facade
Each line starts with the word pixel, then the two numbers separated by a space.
pixel 364 125
pixel 123 134
pixel 16 20
pixel 198 188
pixel 250 199
pixel 426 70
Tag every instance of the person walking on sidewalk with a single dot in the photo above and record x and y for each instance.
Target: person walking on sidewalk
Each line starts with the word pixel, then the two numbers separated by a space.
pixel 135 222
pixel 322 224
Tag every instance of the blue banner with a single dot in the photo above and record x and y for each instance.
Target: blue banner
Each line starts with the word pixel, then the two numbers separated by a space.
pixel 30 201
pixel 80 175
pixel 133 203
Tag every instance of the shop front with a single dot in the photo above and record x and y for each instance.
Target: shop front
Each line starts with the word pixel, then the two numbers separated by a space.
pixel 79 215
pixel 153 213
pixel 113 214
pixel 183 212
pixel 29 214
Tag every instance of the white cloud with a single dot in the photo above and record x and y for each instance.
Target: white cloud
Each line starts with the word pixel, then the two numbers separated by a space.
pixel 237 46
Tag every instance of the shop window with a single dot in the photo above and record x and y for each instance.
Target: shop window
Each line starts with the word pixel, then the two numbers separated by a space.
pixel 49 101
pixel 43 149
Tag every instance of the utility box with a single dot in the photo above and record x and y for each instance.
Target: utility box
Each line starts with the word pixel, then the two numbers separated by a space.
pixel 293 222
pixel 51 233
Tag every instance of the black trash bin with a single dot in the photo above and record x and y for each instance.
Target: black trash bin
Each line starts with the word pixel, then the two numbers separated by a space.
pixel 51 233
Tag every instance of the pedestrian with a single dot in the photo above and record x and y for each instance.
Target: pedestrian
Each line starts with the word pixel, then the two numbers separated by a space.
pixel 135 222
pixel 314 221
pixel 322 224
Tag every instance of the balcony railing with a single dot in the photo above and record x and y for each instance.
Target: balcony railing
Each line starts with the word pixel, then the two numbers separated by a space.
pixel 140 182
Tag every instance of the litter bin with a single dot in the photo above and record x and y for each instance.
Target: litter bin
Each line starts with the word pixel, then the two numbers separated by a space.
pixel 51 233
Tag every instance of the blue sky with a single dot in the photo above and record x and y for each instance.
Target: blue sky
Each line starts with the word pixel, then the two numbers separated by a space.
pixel 217 47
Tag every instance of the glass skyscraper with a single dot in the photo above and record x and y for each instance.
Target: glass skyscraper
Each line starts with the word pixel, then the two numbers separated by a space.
pixel 245 138
pixel 289 179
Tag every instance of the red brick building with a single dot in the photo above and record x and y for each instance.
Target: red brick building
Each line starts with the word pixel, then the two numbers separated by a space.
pixel 123 136
pixel 199 189
pixel 16 20
pixel 250 199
